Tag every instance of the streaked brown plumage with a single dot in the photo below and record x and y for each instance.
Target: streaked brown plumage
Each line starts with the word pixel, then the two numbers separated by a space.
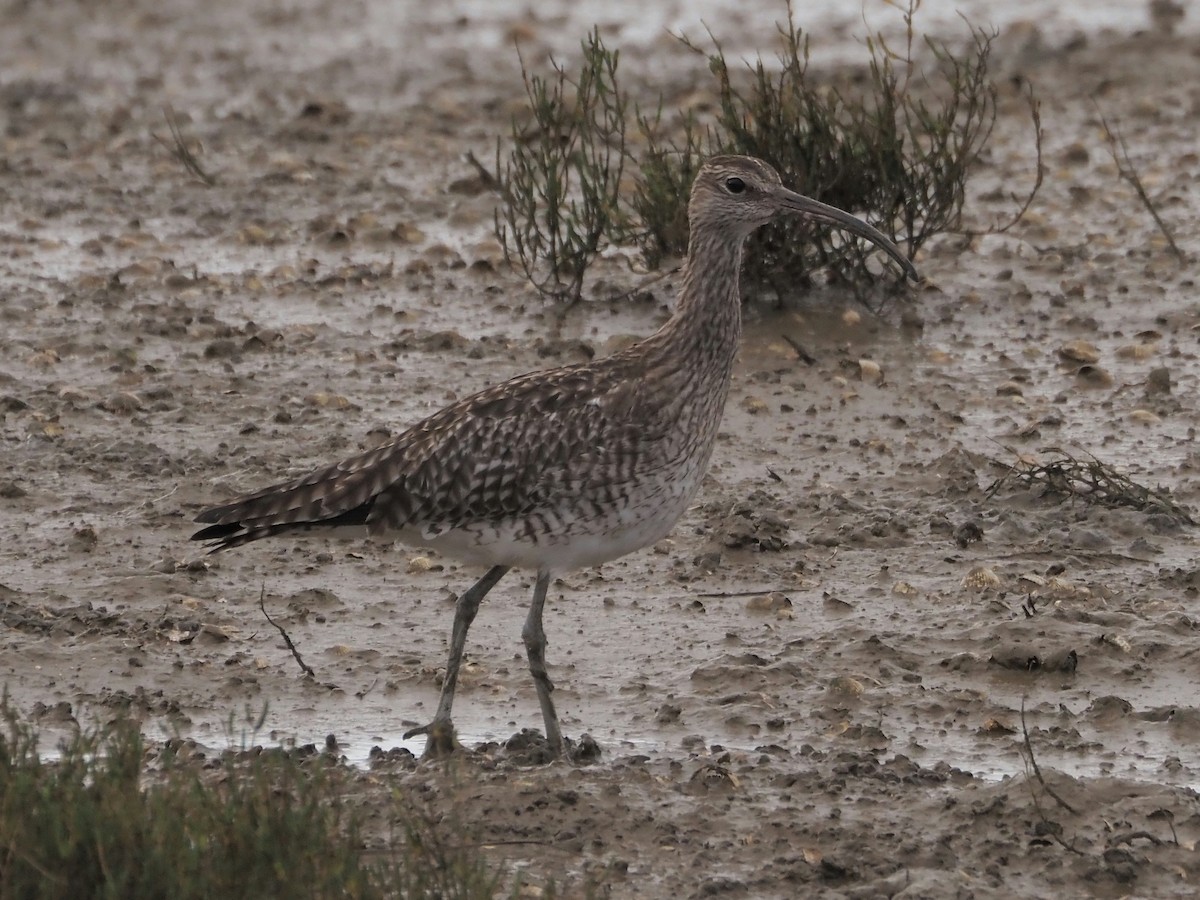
pixel 563 468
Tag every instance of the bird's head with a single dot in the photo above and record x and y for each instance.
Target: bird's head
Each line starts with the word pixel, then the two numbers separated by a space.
pixel 741 193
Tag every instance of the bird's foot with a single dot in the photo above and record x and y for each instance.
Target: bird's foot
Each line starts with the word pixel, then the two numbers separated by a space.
pixel 441 740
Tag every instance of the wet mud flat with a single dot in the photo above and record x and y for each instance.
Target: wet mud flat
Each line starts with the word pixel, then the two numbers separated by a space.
pixel 815 686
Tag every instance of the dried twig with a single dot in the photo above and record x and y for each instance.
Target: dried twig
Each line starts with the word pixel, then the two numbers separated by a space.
pixel 1169 817
pixel 1130 836
pixel 1091 481
pixel 178 148
pixel 728 595
pixel 1037 769
pixel 305 667
pixel 1030 760
pixel 1035 113
pixel 486 176
pixel 803 355
pixel 1128 173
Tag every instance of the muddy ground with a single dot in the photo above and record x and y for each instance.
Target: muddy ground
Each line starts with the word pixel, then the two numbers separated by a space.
pixel 813 688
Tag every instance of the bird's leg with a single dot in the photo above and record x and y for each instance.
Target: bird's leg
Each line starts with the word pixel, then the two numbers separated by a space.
pixel 440 731
pixel 535 647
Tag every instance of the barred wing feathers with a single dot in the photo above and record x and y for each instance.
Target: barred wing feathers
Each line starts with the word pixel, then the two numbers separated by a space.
pixel 503 453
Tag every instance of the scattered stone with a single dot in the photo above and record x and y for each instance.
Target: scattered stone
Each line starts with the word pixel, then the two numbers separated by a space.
pixel 775 601
pixel 981 578
pixel 1079 352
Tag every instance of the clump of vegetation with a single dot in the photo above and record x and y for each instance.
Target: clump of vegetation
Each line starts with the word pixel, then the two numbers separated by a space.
pixel 561 185
pixel 901 150
pixel 1063 476
pixel 96 822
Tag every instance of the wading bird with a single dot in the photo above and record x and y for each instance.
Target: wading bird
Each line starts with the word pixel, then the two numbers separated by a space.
pixel 564 468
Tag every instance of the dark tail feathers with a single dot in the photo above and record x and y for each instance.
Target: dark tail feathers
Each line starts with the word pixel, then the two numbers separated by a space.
pixel 227 535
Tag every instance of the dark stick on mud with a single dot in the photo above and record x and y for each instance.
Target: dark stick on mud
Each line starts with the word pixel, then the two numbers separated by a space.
pixel 1127 172
pixel 179 149
pixel 305 667
pixel 1169 817
pixel 1037 769
pixel 728 595
pixel 1130 836
pixel 1052 828
pixel 486 178
pixel 803 355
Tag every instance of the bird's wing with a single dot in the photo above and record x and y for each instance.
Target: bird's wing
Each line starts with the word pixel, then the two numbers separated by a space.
pixel 495 455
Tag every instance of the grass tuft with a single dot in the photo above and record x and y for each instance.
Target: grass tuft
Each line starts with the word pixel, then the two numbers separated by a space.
pixel 108 819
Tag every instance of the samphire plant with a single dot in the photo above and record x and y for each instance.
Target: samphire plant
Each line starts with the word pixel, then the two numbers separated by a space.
pixel 107 816
pixel 588 169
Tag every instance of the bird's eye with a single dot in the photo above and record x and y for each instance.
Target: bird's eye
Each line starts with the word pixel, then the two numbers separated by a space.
pixel 735 185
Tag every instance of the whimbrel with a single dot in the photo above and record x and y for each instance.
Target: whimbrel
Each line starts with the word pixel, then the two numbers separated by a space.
pixel 564 468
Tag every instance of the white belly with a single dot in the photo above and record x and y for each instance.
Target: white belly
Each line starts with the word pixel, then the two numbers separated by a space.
pixel 570 538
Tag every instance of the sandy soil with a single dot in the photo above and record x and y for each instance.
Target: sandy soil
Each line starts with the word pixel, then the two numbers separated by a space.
pixel 813 688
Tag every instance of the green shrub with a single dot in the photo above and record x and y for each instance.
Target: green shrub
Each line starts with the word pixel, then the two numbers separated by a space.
pixel 898 150
pixel 100 821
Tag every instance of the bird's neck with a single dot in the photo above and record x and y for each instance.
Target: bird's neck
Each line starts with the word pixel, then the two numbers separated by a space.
pixel 707 320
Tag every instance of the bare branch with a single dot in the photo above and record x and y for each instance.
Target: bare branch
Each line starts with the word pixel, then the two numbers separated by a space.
pixel 1037 770
pixel 1051 828
pixel 178 148
pixel 1035 114
pixel 304 667
pixel 1128 173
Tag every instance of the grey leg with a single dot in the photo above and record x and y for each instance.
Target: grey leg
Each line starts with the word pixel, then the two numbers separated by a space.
pixel 535 647
pixel 440 730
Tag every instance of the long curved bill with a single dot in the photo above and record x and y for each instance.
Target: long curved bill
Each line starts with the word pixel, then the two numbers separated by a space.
pixel 806 206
